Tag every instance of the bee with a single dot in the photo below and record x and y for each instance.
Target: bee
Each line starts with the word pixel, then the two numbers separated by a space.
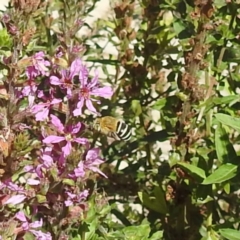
pixel 112 127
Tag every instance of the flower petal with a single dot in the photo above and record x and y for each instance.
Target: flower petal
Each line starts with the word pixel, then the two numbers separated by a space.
pixel 67 148
pixel 36 224
pixel 92 153
pixel 94 80
pixel 16 199
pixel 53 139
pixel 21 216
pixel 56 100
pixel 55 81
pixel 42 115
pixel 90 106
pixel 81 140
pixel 75 67
pixel 83 75
pixel 95 169
pixel 78 110
pixel 41 235
pixel 68 203
pixel 79 171
pixel 105 92
pixel 76 128
pixel 33 182
pixel 57 123
pixel 38 107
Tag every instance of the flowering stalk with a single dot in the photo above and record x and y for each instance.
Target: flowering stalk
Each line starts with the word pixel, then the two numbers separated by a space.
pixel 34 187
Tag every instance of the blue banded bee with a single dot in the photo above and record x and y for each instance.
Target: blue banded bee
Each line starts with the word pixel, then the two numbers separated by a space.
pixel 113 127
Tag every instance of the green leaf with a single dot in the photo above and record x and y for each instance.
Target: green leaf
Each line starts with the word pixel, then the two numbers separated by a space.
pixel 41 198
pixel 69 182
pixel 141 231
pixel 228 120
pixel 179 26
pixel 211 39
pixel 226 99
pixel 224 148
pixel 103 61
pixel 219 3
pixel 91 214
pixel 211 102
pixel 109 24
pixel 136 107
pixel 200 202
pixel 5 39
pixel 160 104
pixel 227 188
pixel 222 174
pixel 157 235
pixel 105 210
pixel 137 232
pixel 192 170
pixel 229 233
pixel 78 237
pixel 91 229
pixel 29 236
pixel 157 202
pixel 160 197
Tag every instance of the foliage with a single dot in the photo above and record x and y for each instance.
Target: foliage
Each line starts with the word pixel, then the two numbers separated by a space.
pixel 174 79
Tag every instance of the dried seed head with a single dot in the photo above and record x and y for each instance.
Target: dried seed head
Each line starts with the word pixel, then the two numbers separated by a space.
pixel 26 6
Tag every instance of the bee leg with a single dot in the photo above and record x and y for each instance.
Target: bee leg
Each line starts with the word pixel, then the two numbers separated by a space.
pixel 113 135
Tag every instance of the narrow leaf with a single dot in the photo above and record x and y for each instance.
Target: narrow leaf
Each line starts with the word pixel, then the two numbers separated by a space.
pixel 157 235
pixel 230 234
pixel 224 148
pixel 228 120
pixel 192 170
pixel 156 203
pixel 136 107
pixel 223 173
pixel 137 232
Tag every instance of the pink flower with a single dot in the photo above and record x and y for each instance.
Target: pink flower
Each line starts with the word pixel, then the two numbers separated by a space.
pixel 89 89
pixel 76 198
pixel 91 162
pixel 45 163
pixel 37 66
pixel 33 182
pixel 19 194
pixel 42 109
pixel 41 235
pixel 31 87
pixel 79 171
pixel 13 187
pixel 69 135
pixel 40 64
pixel 66 79
pixel 30 227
